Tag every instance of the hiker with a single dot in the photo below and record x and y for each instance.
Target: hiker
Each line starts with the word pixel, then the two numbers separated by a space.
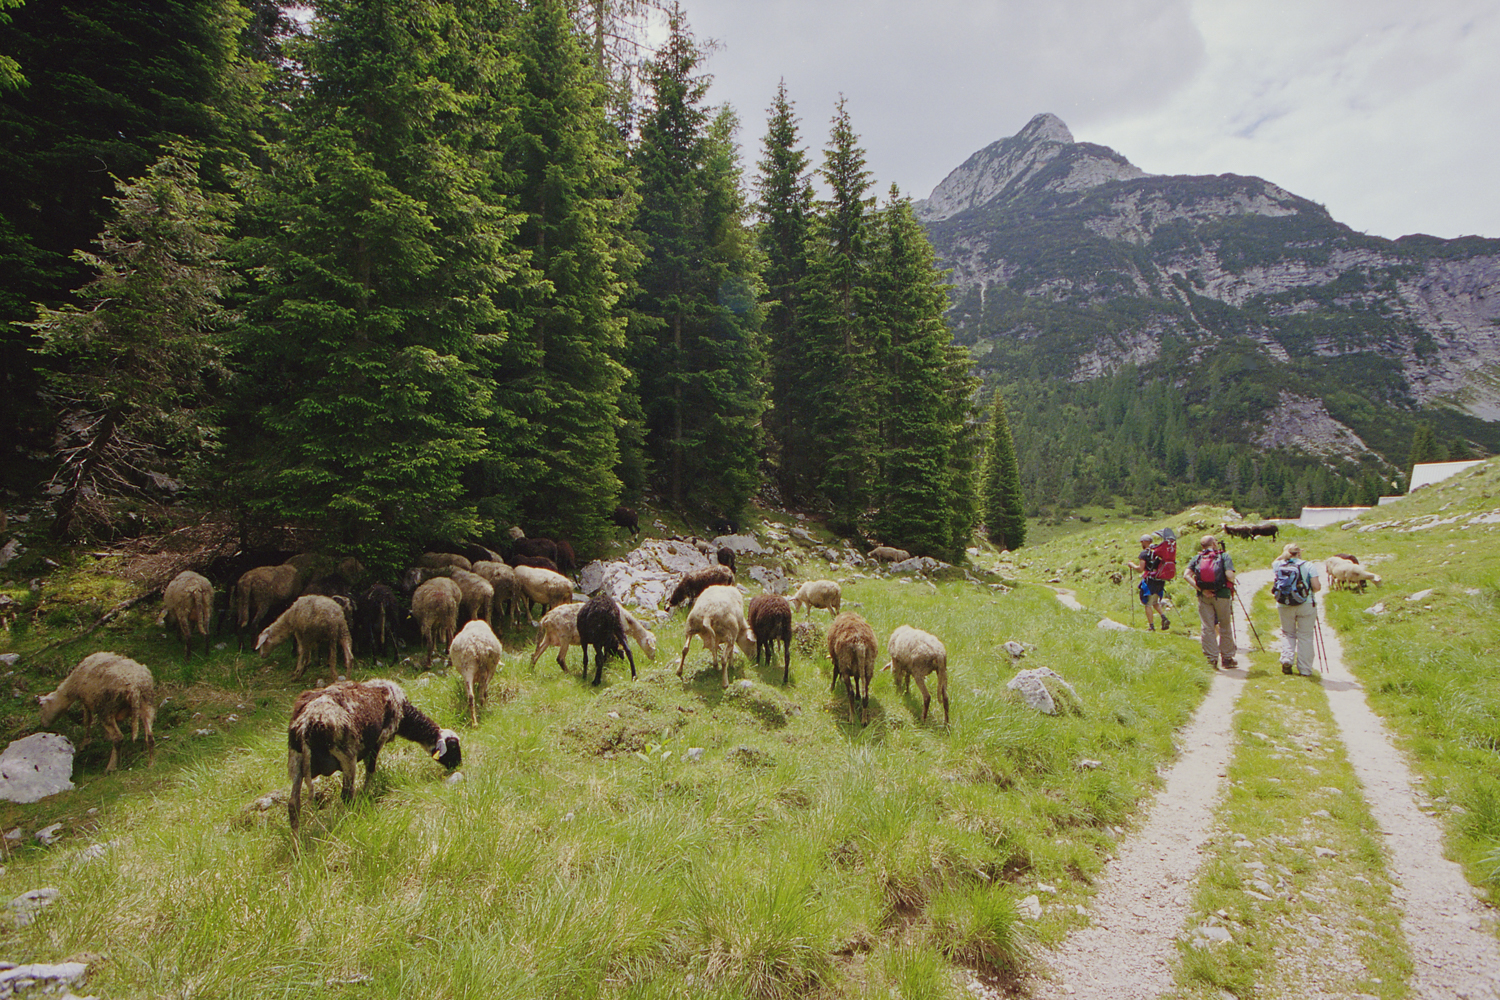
pixel 1211 572
pixel 1152 586
pixel 1295 583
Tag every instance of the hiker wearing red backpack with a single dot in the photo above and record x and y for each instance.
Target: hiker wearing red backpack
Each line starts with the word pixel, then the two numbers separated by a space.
pixel 1211 571
pixel 1153 584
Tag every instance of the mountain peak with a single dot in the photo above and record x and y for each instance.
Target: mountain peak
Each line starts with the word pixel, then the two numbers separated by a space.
pixel 1046 127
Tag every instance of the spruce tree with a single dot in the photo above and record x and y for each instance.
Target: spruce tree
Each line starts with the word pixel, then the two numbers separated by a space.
pixel 378 250
pixel 1004 505
pixel 784 206
pixel 1424 447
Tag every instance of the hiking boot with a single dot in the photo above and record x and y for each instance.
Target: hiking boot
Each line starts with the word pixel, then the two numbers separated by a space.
pixel 1150 627
pixel 1166 623
pixel 1229 663
pixel 1286 668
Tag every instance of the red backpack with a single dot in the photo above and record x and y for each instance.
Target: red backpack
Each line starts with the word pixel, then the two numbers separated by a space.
pixel 1210 571
pixel 1165 553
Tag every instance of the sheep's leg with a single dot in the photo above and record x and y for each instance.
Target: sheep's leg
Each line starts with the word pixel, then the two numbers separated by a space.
pixel 112 730
pixel 598 663
pixel 473 713
pixel 303 652
pixel 631 659
pixel 541 644
pixel 835 685
pixel 562 656
pixel 851 688
pixel 728 659
pixel 786 668
pixel 683 660
pixel 926 698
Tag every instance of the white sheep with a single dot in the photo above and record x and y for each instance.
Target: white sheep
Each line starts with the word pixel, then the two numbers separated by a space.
pixel 542 586
pixel 259 591
pixel 718 618
pixel 435 607
pixel 853 650
pixel 439 560
pixel 114 688
pixel 886 553
pixel 334 727
pixel 819 594
pixel 560 629
pixel 475 653
pixel 1349 575
pixel 502 580
pixel 188 602
pixel 311 620
pixel 478 595
pixel 915 653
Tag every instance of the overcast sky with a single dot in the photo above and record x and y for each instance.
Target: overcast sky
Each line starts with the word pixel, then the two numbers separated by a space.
pixel 1385 111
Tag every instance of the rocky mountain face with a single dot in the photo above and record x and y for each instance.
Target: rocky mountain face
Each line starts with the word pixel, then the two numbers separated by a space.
pixel 1068 262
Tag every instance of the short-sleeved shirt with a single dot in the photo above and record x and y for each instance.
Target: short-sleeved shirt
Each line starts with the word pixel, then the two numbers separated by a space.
pixel 1226 566
pixel 1308 570
pixel 1149 562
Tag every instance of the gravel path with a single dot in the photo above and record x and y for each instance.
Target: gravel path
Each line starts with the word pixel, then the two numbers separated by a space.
pixel 1127 951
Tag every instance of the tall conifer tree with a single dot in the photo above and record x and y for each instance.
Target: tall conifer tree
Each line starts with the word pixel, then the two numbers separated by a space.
pixel 1004 505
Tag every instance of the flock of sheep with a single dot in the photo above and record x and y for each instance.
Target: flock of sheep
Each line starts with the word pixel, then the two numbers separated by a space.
pixel 335 727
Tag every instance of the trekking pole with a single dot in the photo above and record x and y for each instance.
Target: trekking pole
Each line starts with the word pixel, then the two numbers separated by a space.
pixel 1261 646
pixel 1318 639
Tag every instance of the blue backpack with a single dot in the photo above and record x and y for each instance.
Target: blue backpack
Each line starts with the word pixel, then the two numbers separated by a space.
pixel 1290 585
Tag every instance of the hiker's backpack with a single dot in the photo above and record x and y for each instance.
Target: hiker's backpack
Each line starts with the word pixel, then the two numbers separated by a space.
pixel 1290 585
pixel 1164 553
pixel 1210 569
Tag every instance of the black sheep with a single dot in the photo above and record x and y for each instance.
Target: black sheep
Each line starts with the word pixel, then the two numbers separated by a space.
pixel 600 625
pixel 376 614
pixel 567 559
pixel 726 558
pixel 626 517
pixel 543 547
pixel 696 582
pixel 770 621
pixel 540 562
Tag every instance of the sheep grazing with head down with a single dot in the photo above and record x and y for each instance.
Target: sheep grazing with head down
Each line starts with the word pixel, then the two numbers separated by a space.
pixel 375 617
pixel 112 687
pixel 188 601
pixel 502 580
pixel 725 556
pixel 1349 575
pixel 819 594
pixel 332 728
pixel 560 629
pixel 600 625
pixel 771 622
pixel 544 587
pixel 697 581
pixel 474 654
pixel 478 594
pixel 546 548
pixel 435 605
pixel 442 560
pixel 718 618
pixel 312 621
pixel 567 559
pixel 886 553
pixel 853 650
pixel 261 591
pixel 915 653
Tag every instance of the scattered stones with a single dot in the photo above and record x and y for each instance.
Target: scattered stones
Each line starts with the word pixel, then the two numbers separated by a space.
pixel 40 979
pixel 1015 649
pixel 1421 595
pixel 49 835
pixel 1030 908
pixel 456 778
pixel 10 659
pixel 1110 625
pixel 1376 609
pixel 1042 688
pixel 24 908
pixel 693 753
pixel 1205 935
pixel 1325 852
pixel 35 767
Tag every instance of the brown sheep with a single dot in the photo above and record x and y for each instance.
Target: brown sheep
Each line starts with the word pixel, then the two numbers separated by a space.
pixel 311 620
pixel 261 591
pixel 770 622
pixel 112 687
pixel 188 601
pixel 696 581
pixel 435 607
pixel 853 650
pixel 439 560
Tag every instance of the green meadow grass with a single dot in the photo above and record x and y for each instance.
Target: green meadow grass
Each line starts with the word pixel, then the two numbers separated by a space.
pixel 584 854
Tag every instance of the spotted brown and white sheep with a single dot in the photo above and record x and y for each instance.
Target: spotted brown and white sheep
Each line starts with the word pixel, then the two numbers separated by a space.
pixel 819 594
pixel 434 605
pixel 853 650
pixel 312 621
pixel 695 582
pixel 188 602
pixel 112 687
pixel 770 619
pixel 335 727
pixel 474 654
pixel 915 654
pixel 718 618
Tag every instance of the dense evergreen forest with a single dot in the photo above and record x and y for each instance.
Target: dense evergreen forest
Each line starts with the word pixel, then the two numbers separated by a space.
pixel 407 271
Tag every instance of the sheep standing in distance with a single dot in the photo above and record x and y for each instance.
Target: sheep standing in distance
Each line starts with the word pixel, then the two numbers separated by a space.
pixel 1348 575
pixel 478 595
pixel 725 556
pixel 334 727
pixel 112 687
pixel 770 622
pixel 600 626
pixel 885 553
pixel 189 602
pixel 435 607
pixel 544 587
pixel 718 618
pixel 853 650
pixel 819 594
pixel 626 517
pixel 311 620
pixel 260 591
pixel 560 629
pixel 440 560
pixel 915 653
pixel 502 580
pixel 475 653
pixel 375 616
pixel 697 581
pixel 567 559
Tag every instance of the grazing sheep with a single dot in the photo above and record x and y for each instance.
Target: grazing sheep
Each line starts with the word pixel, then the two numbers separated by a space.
pixel 560 629
pixel 1348 575
pixel 1346 556
pixel 311 620
pixel 567 559
pixel 535 562
pixel 885 553
pixel 626 517
pixel 475 653
pixel 335 726
pixel 1264 529
pixel 437 560
pixel 853 650
pixel 544 587
pixel 261 591
pixel 718 618
pixel 188 601
pixel 112 687
pixel 696 581
pixel 915 653
pixel 725 555
pixel 724 526
pixel 819 594
pixel 375 617
pixel 770 622
pixel 544 547
pixel 502 580
pixel 478 595
pixel 600 625
pixel 435 607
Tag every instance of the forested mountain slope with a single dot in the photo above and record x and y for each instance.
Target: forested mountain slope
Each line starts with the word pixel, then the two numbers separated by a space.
pixel 1167 334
